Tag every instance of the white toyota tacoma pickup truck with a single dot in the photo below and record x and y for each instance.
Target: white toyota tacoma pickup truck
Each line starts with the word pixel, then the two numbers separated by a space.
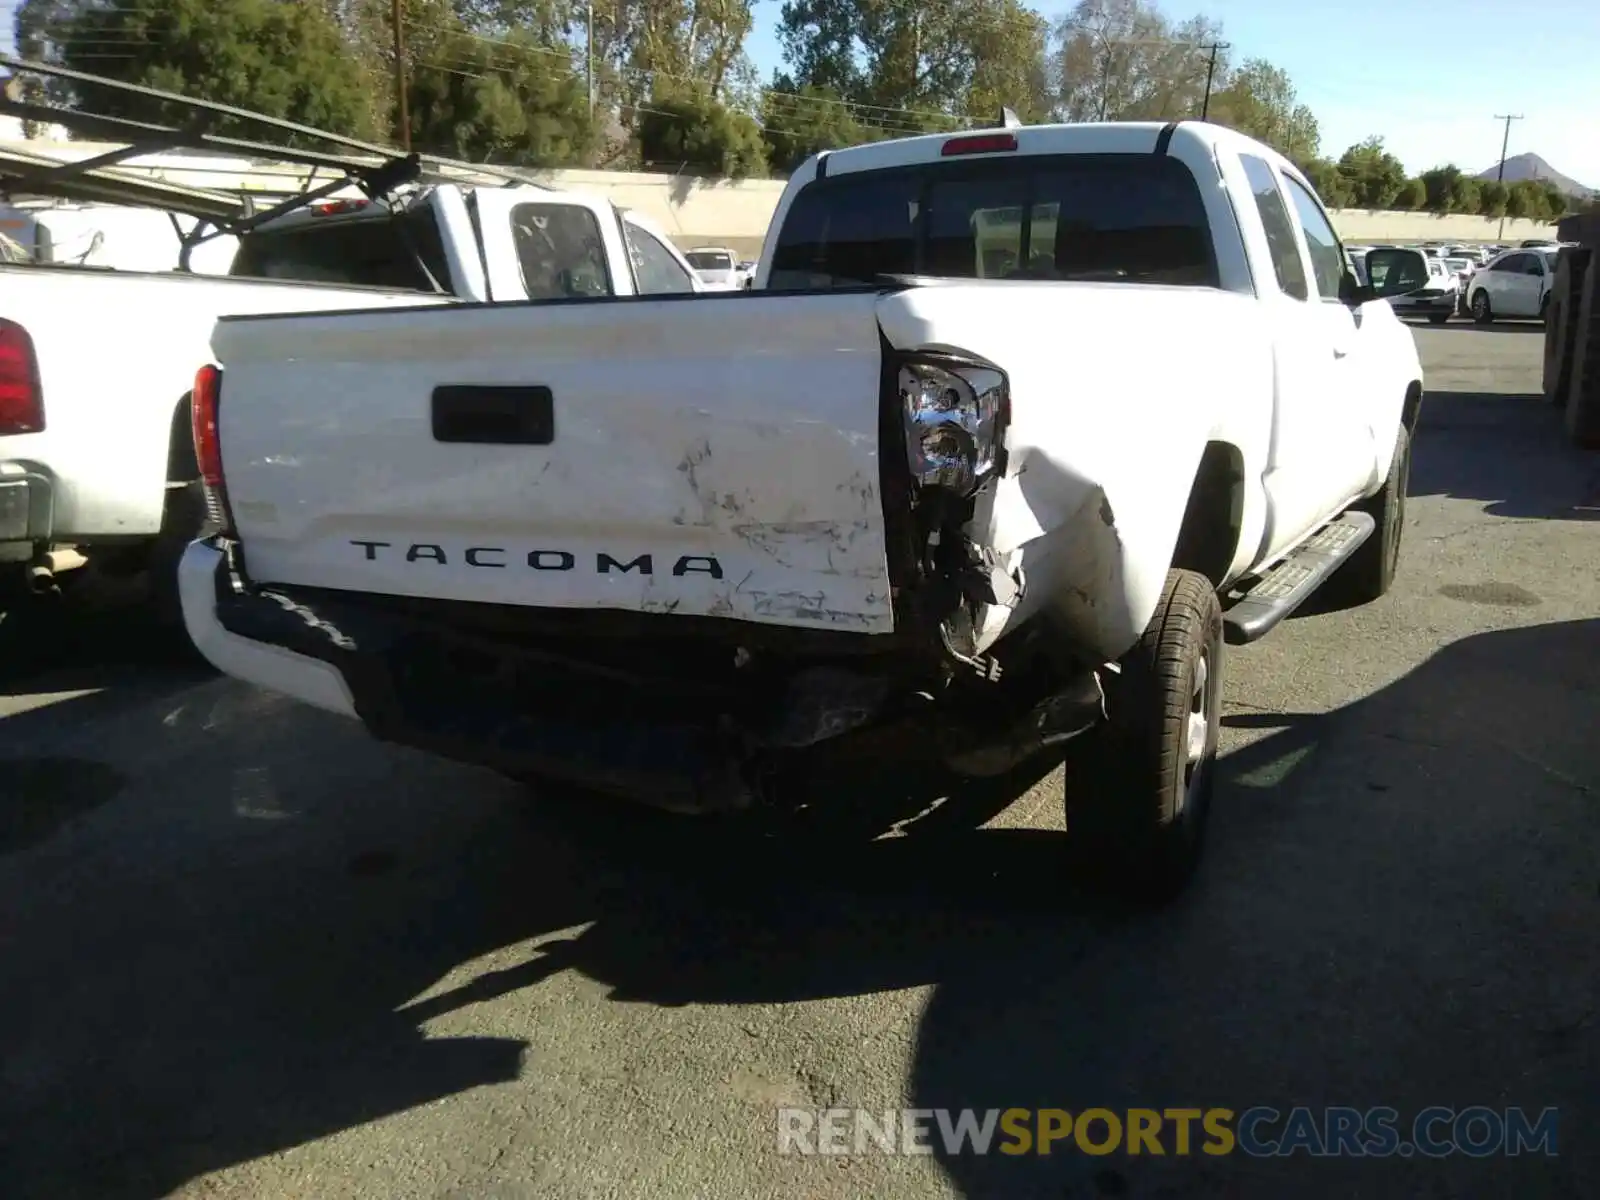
pixel 96 463
pixel 1012 428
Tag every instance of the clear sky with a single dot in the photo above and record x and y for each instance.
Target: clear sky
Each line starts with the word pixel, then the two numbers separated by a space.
pixel 1428 75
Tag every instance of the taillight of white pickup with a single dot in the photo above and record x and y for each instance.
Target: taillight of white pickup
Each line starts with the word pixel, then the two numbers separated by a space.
pixel 21 397
pixel 203 416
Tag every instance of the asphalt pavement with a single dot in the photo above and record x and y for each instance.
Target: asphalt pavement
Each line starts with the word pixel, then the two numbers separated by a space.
pixel 246 952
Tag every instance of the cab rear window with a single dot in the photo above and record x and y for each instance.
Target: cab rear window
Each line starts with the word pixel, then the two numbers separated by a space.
pixel 1117 217
pixel 363 251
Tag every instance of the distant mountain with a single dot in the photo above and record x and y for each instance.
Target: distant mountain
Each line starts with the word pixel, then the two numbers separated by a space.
pixel 1531 166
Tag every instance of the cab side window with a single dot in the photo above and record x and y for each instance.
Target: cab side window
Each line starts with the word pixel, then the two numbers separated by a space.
pixel 657 271
pixel 1286 262
pixel 1327 255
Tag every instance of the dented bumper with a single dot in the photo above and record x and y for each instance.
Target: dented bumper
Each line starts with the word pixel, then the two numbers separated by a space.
pixel 673 711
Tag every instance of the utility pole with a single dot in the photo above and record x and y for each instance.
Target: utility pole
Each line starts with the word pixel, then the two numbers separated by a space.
pixel 400 76
pixel 588 71
pixel 1505 144
pixel 1211 74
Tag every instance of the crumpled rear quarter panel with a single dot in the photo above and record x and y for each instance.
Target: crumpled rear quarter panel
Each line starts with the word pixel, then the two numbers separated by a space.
pixel 1115 390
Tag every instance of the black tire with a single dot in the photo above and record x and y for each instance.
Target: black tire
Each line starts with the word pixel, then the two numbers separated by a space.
pixel 1369 573
pixel 1544 308
pixel 1482 313
pixel 1137 789
pixel 1438 318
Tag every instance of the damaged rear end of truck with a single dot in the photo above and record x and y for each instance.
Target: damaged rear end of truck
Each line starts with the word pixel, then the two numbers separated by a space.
pixel 660 548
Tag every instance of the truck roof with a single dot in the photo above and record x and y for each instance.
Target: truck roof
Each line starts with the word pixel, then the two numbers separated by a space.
pixel 1099 137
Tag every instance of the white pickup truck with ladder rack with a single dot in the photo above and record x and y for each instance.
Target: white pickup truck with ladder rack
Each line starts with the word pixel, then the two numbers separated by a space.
pixel 97 464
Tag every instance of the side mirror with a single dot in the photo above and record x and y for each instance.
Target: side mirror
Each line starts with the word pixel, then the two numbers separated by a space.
pixel 1395 272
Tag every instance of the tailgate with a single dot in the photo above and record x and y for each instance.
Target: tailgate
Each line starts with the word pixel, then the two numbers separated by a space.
pixel 704 456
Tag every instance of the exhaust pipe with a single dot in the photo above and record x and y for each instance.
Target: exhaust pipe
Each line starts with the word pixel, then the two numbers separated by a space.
pixel 42 571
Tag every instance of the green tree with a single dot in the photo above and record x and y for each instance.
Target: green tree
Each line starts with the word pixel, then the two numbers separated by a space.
pixel 1259 99
pixel 796 126
pixel 1439 186
pixel 917 67
pixel 645 46
pixel 1491 198
pixel 1413 195
pixel 1375 175
pixel 1011 67
pixel 1125 60
pixel 511 100
pixel 1526 198
pixel 690 130
pixel 1556 202
pixel 1466 194
pixel 1333 187
pixel 287 60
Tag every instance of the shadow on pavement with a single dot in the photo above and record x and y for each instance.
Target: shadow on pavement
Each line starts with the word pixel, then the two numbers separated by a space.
pixel 1399 908
pixel 1509 451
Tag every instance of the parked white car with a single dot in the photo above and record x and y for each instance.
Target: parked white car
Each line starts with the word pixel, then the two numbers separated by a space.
pixel 1437 298
pixel 718 268
pixel 1514 284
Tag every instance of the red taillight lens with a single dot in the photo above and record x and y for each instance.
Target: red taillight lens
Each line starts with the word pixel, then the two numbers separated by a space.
pixel 334 208
pixel 21 398
pixel 203 402
pixel 979 143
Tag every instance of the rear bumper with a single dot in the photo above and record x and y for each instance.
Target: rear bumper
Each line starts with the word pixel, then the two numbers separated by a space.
pixel 27 503
pixel 206 589
pixel 1426 304
pixel 671 720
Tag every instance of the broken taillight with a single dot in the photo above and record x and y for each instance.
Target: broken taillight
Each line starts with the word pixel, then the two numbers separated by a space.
pixel 956 413
pixel 21 397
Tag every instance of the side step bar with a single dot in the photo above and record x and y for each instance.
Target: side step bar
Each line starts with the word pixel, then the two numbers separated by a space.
pixel 1290 584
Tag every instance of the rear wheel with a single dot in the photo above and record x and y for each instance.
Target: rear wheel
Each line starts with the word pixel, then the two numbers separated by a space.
pixel 1438 318
pixel 1138 788
pixel 1481 312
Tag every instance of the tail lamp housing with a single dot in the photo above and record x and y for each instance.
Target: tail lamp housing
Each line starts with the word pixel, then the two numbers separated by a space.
pixel 955 412
pixel 204 413
pixel 21 397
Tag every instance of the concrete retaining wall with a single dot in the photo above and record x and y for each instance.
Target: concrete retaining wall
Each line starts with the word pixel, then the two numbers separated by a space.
pixel 697 212
pixel 1359 225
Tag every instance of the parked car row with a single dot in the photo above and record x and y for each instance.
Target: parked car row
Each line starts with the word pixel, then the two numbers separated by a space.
pixel 1485 283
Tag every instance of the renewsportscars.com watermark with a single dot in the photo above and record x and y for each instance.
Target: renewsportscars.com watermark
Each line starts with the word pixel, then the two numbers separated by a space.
pixel 1334 1132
